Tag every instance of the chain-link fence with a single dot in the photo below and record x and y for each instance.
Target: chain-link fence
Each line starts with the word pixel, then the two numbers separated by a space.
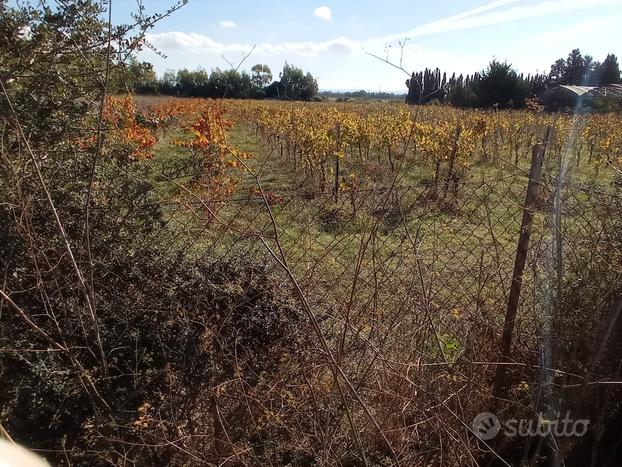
pixel 411 288
pixel 286 325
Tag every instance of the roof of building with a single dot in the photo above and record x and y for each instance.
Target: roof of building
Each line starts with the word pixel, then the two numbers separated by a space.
pixel 572 92
pixel 609 90
pixel 578 90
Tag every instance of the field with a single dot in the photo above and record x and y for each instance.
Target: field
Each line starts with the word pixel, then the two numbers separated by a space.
pixel 320 283
pixel 248 272
pixel 398 230
pixel 387 194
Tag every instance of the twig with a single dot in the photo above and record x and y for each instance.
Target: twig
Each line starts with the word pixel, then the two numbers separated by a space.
pixel 237 68
pixel 81 281
pixel 85 378
pixel 335 367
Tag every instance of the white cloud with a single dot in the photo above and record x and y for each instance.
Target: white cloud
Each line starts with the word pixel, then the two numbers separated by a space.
pixel 474 19
pixel 487 14
pixel 188 49
pixel 198 43
pixel 228 25
pixel 323 12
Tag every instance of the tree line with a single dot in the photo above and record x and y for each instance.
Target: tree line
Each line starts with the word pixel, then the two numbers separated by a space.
pixel 293 83
pixel 361 95
pixel 501 85
pixel 498 85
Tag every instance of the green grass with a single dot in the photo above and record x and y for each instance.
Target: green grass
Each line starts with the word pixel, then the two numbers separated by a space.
pixel 465 245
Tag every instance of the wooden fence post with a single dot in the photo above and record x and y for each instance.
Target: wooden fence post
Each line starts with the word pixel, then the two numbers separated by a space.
pixel 452 160
pixel 336 188
pixel 336 178
pixel 500 387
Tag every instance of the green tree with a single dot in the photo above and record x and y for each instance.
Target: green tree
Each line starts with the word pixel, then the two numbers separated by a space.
pixel 500 86
pixel 229 83
pixel 294 84
pixel 135 77
pixel 168 84
pixel 609 71
pixel 463 96
pixel 576 69
pixel 192 83
pixel 261 75
pixel 558 72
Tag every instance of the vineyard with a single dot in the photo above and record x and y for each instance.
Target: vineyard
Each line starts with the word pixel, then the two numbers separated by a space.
pixel 321 283
pixel 229 268
pixel 397 231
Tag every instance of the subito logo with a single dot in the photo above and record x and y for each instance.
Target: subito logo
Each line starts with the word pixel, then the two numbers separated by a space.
pixel 486 426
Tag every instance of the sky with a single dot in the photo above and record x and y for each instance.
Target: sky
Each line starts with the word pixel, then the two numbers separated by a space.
pixel 335 40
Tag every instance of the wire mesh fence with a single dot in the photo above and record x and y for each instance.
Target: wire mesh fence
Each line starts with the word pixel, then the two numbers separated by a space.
pixel 404 290
pixel 411 287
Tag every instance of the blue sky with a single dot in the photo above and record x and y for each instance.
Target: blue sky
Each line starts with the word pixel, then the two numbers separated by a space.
pixel 331 38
